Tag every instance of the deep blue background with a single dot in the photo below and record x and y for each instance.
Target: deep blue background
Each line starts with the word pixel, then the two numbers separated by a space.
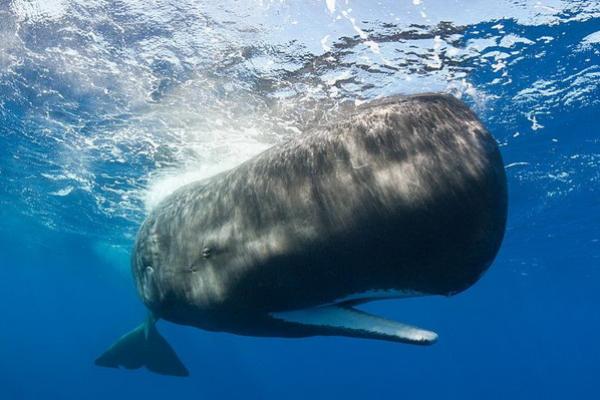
pixel 510 336
pixel 527 330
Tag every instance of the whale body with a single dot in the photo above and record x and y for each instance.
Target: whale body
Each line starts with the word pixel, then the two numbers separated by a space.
pixel 403 196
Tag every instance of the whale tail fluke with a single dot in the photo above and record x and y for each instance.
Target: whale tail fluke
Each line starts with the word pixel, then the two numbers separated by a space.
pixel 143 347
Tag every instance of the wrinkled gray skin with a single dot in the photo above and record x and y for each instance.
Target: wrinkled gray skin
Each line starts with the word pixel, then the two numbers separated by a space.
pixel 405 194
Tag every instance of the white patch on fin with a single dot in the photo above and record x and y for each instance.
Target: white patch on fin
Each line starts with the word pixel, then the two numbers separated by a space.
pixel 347 321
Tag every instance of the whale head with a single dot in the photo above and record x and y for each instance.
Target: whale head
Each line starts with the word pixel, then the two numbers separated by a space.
pixel 148 264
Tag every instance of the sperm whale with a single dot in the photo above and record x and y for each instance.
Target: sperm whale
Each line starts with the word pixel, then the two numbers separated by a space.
pixel 403 196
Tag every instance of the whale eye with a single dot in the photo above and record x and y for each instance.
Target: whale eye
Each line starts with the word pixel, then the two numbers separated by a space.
pixel 148 270
pixel 206 252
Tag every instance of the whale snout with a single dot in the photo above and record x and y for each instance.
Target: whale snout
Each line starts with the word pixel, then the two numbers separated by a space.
pixel 146 265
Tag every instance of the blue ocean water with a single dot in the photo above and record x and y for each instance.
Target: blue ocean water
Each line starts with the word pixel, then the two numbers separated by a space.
pixel 107 106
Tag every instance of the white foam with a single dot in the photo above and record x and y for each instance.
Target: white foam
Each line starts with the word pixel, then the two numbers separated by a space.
pixel 62 192
pixel 330 6
pixel 37 10
pixel 165 182
pixel 589 40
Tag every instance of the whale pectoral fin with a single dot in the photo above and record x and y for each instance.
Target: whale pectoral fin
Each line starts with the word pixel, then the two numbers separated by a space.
pixel 347 321
pixel 143 347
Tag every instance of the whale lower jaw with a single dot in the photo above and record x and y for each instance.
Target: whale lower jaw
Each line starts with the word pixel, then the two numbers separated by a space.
pixel 343 320
pixel 376 294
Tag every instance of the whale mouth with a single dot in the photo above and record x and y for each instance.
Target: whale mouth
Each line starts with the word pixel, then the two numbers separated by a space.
pixel 344 320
